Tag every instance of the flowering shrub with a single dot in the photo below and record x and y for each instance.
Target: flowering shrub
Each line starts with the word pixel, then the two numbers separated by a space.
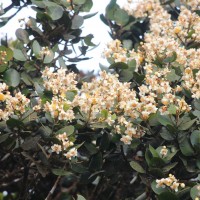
pixel 130 133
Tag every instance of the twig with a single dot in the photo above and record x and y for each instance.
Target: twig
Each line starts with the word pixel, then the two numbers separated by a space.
pixel 53 188
pixel 142 196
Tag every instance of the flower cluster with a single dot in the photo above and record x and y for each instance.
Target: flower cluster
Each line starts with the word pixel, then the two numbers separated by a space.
pixel 198 193
pixel 62 86
pixel 173 40
pixel 108 100
pixel 171 182
pixel 65 146
pixel 11 105
pixel 117 53
pixel 3 55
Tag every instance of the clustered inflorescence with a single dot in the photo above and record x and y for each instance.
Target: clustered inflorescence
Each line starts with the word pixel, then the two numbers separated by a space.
pixel 170 182
pixel 11 104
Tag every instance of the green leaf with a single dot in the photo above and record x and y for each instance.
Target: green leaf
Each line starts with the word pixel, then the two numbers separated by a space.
pixel 128 44
pixel 91 148
pixel 186 124
pixel 54 10
pixel 26 78
pixel 167 196
pixel 105 141
pixel 70 95
pixel 22 35
pixel 12 77
pixel 68 129
pixel 96 162
pixel 19 55
pixel 104 114
pixel 61 172
pixel 110 9
pixel 171 58
pixel 157 162
pixel 153 151
pixel 80 197
pixel 132 65
pixel 79 168
pixel 121 17
pixel 87 6
pixel 194 192
pixel 79 2
pixel 167 135
pixel 48 58
pixel 38 3
pixel 125 75
pixel 165 120
pixel 30 143
pixel 89 15
pixel 186 147
pixel 172 109
pixel 77 22
pixel 119 65
pixel 195 139
pixel 12 123
pixel 36 47
pixel 167 168
pixel 197 114
pixel 139 78
pixel 8 51
pixel 137 167
pixel 88 40
pixel 62 62
pixel 172 76
pixel 4 137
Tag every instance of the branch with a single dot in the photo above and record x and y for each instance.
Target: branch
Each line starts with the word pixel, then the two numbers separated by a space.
pixel 53 188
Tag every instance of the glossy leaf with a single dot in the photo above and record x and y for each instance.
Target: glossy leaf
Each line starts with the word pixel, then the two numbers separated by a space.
pixel 137 167
pixel 12 77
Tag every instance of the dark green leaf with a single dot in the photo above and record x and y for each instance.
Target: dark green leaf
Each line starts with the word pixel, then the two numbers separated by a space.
pixel 197 114
pixel 137 167
pixel 96 162
pixel 79 2
pixel 48 58
pixel 4 137
pixel 121 17
pixel 89 15
pixel 80 197
pixel 195 139
pixel 19 55
pixel 12 123
pixel 88 40
pixel 77 22
pixel 22 35
pixel 171 58
pixel 87 6
pixel 119 65
pixel 194 192
pixel 12 77
pixel 68 129
pixel 30 144
pixel 167 196
pixel 186 124
pixel 8 51
pixel 125 75
pixel 186 147
pixel 36 47
pixel 61 172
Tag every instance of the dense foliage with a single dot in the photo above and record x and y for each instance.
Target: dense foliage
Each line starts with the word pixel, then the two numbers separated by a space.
pixel 131 133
